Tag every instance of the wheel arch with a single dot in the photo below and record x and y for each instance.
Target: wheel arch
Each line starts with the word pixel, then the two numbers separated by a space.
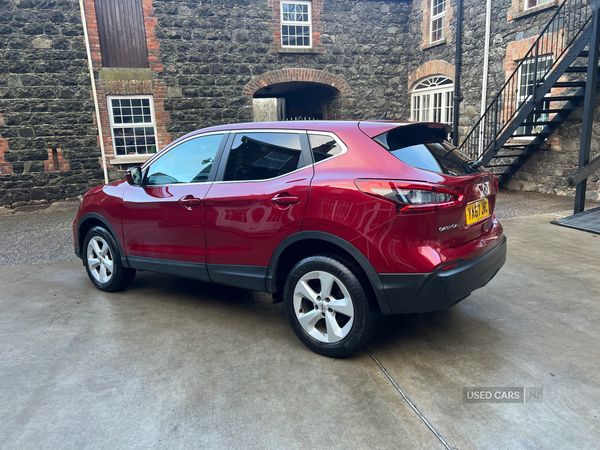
pixel 91 220
pixel 306 243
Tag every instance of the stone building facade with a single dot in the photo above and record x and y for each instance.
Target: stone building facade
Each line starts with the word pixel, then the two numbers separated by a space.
pixel 206 62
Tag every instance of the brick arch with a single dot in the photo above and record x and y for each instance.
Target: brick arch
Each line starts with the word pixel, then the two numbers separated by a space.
pixel 289 75
pixel 436 67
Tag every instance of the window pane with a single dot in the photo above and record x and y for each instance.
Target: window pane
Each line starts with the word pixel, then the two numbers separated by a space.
pixel 189 162
pixel 425 111
pixel 260 156
pixel 323 147
pixel 427 149
pixel 294 35
pixel 437 29
pixel 417 156
pixel 439 6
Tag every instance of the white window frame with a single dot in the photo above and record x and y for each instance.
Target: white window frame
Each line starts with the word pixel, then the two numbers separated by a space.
pixel 537 3
pixel 429 102
pixel 139 157
pixel 294 23
pixel 522 97
pixel 435 17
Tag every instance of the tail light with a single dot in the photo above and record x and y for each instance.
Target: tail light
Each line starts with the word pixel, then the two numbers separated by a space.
pixel 412 196
pixel 496 185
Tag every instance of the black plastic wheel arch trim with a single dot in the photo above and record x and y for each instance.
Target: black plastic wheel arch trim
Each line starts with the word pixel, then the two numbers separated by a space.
pixel 111 230
pixel 247 277
pixel 362 261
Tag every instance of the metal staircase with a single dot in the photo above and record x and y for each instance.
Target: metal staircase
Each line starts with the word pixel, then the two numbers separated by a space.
pixel 559 72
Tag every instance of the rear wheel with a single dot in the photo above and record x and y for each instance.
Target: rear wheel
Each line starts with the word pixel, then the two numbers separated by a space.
pixel 103 261
pixel 328 306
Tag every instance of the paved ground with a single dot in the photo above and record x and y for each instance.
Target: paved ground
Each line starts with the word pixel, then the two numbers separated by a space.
pixel 175 363
pixel 39 236
pixel 512 204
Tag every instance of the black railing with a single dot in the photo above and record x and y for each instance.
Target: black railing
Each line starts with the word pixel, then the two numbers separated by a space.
pixel 558 35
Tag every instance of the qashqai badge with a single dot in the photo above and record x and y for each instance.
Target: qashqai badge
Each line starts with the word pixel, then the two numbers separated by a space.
pixel 448 227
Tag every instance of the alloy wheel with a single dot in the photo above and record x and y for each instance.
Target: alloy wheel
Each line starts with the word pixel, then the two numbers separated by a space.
pixel 323 306
pixel 100 259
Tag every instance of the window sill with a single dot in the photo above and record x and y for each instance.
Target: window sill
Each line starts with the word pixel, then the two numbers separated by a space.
pixel 535 10
pixel 304 50
pixel 131 159
pixel 435 44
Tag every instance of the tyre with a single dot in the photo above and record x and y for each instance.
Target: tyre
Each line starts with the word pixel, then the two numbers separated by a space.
pixel 329 306
pixel 102 261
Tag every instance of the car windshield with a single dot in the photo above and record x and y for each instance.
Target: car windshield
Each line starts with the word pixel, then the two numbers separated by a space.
pixel 426 148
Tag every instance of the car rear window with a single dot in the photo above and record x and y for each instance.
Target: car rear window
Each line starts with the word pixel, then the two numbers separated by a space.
pixel 426 148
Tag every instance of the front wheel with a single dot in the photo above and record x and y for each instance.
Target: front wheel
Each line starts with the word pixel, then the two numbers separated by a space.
pixel 103 261
pixel 328 306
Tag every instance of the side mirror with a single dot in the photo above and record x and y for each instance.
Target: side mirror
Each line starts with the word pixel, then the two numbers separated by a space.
pixel 134 176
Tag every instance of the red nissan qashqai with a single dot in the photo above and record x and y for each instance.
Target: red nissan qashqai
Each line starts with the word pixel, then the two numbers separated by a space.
pixel 342 221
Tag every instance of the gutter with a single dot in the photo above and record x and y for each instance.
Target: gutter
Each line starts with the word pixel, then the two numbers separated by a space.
pixel 486 61
pixel 457 66
pixel 94 93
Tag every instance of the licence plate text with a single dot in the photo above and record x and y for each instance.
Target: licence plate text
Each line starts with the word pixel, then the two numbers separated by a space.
pixel 477 211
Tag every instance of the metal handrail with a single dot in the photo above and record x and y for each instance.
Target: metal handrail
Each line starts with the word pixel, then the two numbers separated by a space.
pixel 565 26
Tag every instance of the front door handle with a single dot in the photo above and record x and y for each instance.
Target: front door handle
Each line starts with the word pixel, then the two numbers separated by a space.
pixel 189 201
pixel 284 199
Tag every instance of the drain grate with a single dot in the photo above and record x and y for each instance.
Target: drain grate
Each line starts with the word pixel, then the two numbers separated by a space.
pixel 586 221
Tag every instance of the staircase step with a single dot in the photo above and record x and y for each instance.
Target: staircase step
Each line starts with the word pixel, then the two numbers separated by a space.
pixel 489 166
pixel 584 54
pixel 563 98
pixel 576 69
pixel 536 124
pixel 543 135
pixel 508 156
pixel 566 110
pixel 560 84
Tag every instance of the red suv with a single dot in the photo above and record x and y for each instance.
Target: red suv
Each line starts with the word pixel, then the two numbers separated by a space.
pixel 342 221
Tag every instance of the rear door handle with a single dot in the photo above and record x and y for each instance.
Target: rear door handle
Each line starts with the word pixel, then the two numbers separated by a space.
pixel 189 201
pixel 284 200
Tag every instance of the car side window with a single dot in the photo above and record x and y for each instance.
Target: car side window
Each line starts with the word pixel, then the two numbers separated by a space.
pixel 189 162
pixel 323 147
pixel 260 156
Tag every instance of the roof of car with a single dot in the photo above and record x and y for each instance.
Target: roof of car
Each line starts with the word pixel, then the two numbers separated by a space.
pixel 371 128
pixel 316 125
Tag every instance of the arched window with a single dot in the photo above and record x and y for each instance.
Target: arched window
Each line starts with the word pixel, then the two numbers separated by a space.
pixel 433 100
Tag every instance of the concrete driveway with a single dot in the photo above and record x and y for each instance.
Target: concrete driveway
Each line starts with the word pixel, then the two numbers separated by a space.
pixel 175 363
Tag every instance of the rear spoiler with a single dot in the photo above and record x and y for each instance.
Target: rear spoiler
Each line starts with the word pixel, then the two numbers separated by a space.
pixel 376 128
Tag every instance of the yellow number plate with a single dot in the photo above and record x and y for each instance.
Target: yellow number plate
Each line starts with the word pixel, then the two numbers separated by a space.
pixel 477 211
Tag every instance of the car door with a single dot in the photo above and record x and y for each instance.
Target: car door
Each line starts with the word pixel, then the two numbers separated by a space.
pixel 163 219
pixel 258 199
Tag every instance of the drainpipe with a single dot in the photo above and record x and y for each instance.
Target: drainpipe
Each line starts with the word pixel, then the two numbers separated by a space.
pixel 486 62
pixel 457 64
pixel 93 81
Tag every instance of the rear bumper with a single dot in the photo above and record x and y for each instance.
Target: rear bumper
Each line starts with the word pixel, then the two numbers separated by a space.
pixel 439 290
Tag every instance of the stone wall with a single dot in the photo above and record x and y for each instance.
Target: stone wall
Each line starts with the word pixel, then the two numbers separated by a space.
pixel 212 50
pixel 48 140
pixel 209 57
